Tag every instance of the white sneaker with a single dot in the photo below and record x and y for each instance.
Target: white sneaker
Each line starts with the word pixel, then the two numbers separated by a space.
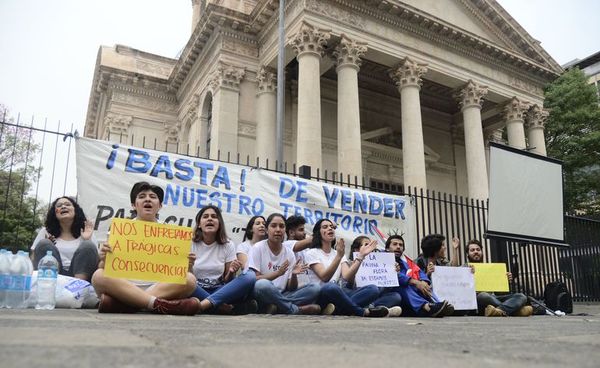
pixel 395 311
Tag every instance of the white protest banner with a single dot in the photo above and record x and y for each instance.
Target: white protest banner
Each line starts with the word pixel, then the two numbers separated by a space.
pixel 379 269
pixel 107 171
pixel 456 285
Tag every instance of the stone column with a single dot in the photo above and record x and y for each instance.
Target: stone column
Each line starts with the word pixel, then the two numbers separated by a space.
pixel 195 13
pixel 348 54
pixel 536 120
pixel 515 114
pixel 266 115
pixel 408 79
pixel 470 99
pixel 308 44
pixel 225 84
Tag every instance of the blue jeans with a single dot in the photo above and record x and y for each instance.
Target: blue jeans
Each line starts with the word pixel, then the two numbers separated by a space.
pixel 348 301
pixel 235 291
pixel 388 298
pixel 509 303
pixel 286 301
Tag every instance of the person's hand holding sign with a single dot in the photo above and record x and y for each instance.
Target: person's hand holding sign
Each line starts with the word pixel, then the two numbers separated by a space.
pixel 104 249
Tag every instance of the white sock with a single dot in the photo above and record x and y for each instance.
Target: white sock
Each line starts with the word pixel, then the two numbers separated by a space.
pixel 151 302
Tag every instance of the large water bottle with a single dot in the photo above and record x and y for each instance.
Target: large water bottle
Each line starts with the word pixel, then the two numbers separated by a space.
pixel 17 271
pixel 5 258
pixel 46 282
pixel 28 279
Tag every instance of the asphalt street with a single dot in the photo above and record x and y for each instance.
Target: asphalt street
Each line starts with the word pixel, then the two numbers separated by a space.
pixel 85 338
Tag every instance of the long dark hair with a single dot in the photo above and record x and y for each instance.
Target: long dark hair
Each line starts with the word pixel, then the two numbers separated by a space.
pixel 317 240
pixel 221 237
pixel 248 234
pixel 355 246
pixel 53 225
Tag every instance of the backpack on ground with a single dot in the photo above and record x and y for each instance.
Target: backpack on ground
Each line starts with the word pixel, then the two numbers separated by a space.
pixel 557 297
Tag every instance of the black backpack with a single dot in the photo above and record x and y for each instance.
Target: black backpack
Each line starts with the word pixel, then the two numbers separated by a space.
pixel 557 297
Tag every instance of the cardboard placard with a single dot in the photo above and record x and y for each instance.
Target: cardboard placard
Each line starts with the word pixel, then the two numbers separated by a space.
pixel 490 277
pixel 148 251
pixel 456 285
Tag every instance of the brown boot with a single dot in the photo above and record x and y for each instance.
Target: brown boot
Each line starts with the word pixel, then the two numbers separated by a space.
pixel 525 311
pixel 309 309
pixel 108 304
pixel 491 311
pixel 182 307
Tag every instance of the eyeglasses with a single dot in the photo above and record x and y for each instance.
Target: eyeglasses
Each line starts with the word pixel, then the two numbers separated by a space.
pixel 63 204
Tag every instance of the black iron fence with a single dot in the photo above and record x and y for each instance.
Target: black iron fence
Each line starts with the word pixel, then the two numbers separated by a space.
pixel 34 168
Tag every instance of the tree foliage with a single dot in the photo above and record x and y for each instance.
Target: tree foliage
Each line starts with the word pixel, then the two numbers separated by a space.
pixel 20 212
pixel 573 136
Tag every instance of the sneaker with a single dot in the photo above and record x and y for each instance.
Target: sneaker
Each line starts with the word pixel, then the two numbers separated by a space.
pixel 328 310
pixel 377 312
pixel 525 311
pixel 108 304
pixel 249 306
pixel 183 307
pixel 435 310
pixel 270 309
pixel 395 311
pixel 491 311
pixel 448 310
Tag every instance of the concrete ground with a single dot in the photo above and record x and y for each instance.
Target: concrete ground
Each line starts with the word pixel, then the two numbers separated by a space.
pixel 84 338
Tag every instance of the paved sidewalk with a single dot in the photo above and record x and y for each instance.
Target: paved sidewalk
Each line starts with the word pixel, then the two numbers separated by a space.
pixel 84 338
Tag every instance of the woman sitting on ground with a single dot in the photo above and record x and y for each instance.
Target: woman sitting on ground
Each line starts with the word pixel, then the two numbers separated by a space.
pixel 214 264
pixel 254 232
pixel 325 259
pixel 277 270
pixel 363 246
pixel 69 236
pixel 129 296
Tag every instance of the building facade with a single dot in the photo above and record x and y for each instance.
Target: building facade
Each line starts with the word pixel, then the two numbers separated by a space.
pixel 401 93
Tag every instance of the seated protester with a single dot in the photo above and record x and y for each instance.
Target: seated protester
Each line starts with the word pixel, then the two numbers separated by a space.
pixel 298 242
pixel 492 305
pixel 388 297
pixel 434 253
pixel 276 288
pixel 129 296
pixel 69 236
pixel 214 264
pixel 414 285
pixel 254 232
pixel 325 263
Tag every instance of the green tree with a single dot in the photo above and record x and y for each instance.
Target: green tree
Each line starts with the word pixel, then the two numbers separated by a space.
pixel 573 136
pixel 20 213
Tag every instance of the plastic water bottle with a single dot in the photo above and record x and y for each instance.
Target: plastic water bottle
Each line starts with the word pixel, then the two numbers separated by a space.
pixel 28 279
pixel 46 282
pixel 17 270
pixel 5 258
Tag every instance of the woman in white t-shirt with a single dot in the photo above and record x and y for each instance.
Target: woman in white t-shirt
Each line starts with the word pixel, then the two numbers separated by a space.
pixel 69 236
pixel 215 264
pixel 325 259
pixel 277 273
pixel 119 295
pixel 254 232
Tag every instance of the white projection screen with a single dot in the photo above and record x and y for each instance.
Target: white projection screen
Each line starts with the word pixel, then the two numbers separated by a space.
pixel 526 197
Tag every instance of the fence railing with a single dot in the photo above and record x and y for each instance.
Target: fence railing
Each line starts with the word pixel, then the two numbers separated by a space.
pixel 40 168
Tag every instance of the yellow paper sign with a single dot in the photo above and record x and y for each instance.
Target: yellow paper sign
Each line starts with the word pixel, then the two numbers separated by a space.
pixel 490 277
pixel 148 251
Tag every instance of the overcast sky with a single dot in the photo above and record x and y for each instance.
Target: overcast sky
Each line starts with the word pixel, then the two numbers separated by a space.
pixel 48 49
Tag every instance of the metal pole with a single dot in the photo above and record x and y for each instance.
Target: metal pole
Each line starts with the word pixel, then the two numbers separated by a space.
pixel 280 85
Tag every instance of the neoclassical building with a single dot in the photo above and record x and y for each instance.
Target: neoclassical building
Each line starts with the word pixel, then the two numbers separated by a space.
pixel 398 92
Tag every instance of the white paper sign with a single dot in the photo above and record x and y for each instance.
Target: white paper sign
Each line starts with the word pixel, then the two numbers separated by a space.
pixel 456 285
pixel 379 269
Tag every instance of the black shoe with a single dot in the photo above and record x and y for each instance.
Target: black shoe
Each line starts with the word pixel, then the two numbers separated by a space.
pixel 448 310
pixel 249 306
pixel 377 312
pixel 435 309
